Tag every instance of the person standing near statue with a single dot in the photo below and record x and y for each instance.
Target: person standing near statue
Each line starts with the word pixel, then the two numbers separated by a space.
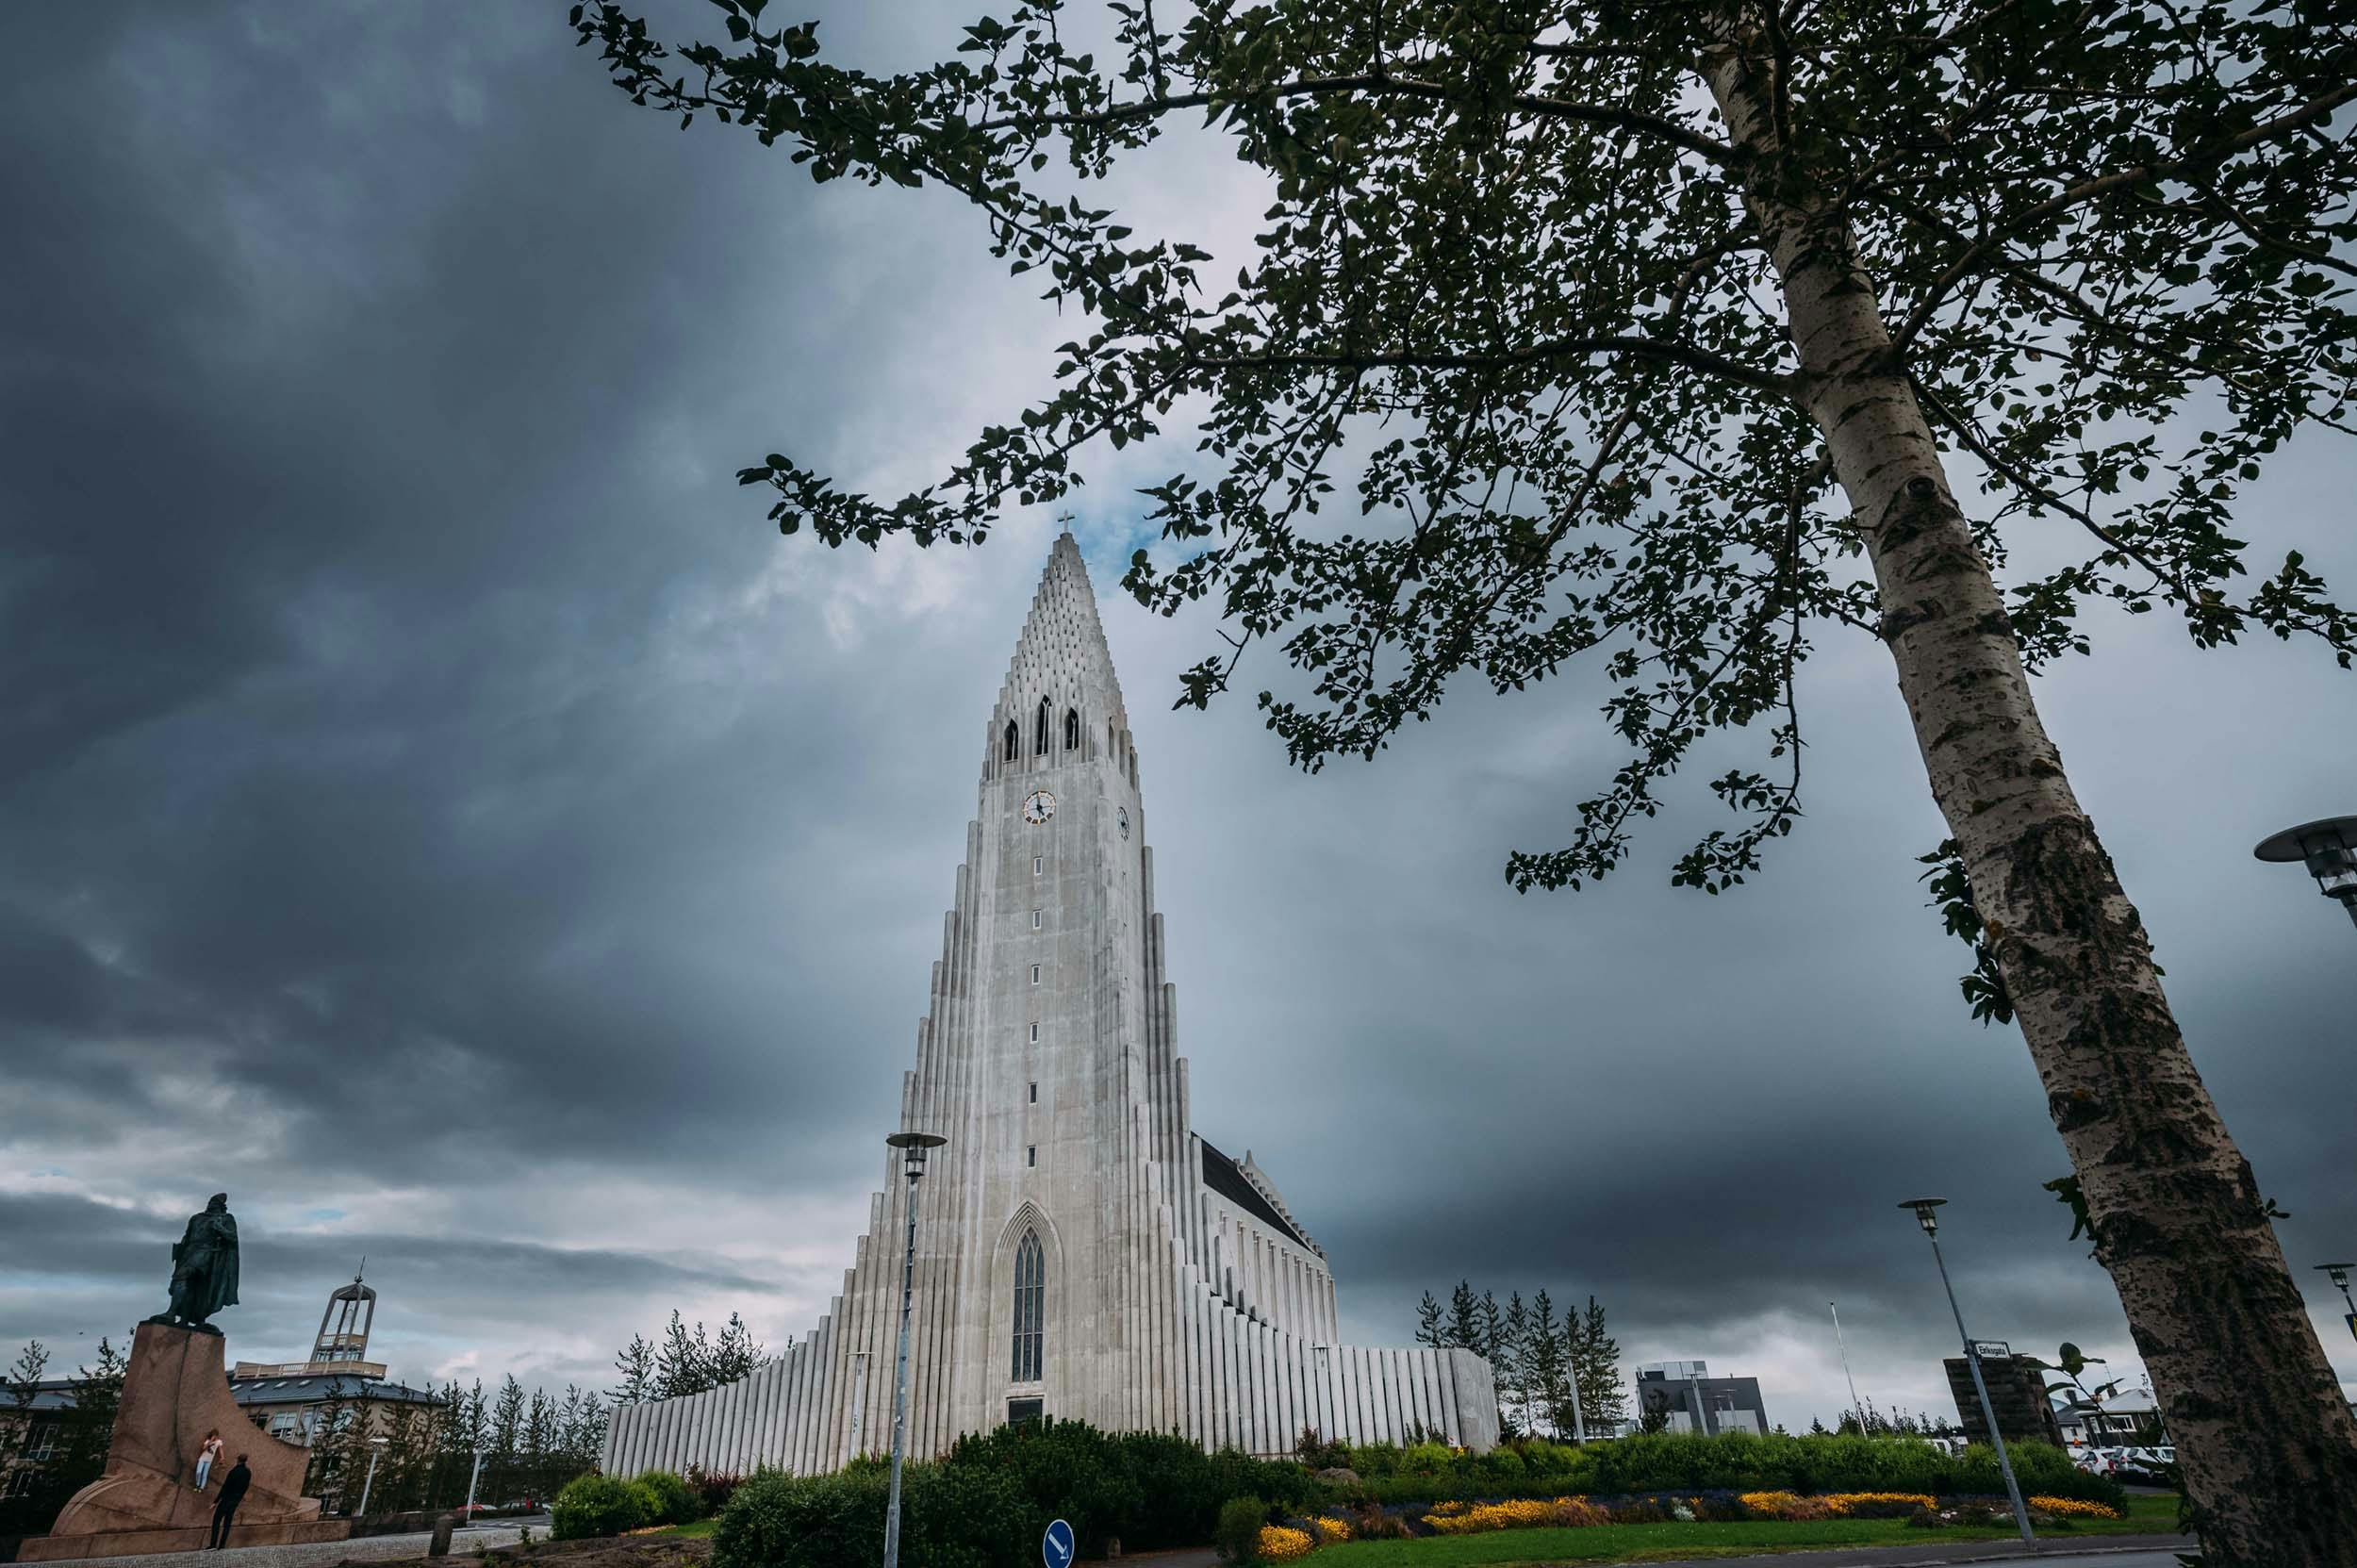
pixel 207 1456
pixel 233 1487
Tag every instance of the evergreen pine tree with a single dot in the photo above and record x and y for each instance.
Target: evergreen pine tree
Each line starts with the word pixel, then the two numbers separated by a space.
pixel 89 1425
pixel 1463 1330
pixel 333 1435
pixel 636 1365
pixel 23 1383
pixel 539 1446
pixel 682 1363
pixel 1596 1364
pixel 736 1356
pixel 1548 1368
pixel 1429 1321
pixel 1511 1362
pixel 506 1441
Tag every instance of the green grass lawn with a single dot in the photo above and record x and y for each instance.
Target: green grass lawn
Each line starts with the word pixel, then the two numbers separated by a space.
pixel 1658 1543
pixel 701 1527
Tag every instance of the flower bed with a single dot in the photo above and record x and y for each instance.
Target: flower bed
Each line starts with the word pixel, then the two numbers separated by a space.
pixel 2074 1508
pixel 1519 1513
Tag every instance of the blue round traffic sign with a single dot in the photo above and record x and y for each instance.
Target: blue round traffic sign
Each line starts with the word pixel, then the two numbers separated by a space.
pixel 1056 1550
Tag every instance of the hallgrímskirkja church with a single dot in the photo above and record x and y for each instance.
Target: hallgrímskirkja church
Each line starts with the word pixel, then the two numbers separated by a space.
pixel 1081 1251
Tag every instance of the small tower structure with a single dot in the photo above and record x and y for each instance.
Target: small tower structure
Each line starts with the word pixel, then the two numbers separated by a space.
pixel 343 1336
pixel 341 1345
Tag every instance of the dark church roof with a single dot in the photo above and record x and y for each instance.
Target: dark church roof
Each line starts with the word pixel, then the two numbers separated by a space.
pixel 1226 1178
pixel 312 1389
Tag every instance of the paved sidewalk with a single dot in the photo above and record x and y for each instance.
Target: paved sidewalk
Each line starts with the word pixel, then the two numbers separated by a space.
pixel 324 1554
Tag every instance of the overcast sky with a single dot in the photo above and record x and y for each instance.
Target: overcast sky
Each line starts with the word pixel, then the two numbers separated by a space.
pixel 437 809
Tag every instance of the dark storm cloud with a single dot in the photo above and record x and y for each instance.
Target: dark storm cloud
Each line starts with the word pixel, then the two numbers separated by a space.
pixel 434 807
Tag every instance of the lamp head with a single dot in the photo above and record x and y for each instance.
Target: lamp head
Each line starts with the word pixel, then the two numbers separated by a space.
pixel 914 1146
pixel 2337 1272
pixel 1924 1214
pixel 2328 849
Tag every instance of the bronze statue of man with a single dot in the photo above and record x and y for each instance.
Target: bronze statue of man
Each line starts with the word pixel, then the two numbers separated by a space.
pixel 203 1268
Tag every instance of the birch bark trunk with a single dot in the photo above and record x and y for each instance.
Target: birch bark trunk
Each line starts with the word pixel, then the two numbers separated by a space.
pixel 2264 1435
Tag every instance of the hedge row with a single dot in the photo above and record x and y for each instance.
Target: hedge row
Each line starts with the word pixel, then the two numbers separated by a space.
pixel 986 1505
pixel 1737 1462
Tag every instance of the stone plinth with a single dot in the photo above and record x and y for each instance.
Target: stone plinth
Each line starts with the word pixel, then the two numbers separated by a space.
pixel 173 1392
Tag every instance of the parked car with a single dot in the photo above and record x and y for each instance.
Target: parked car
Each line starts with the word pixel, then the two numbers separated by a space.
pixel 2152 1465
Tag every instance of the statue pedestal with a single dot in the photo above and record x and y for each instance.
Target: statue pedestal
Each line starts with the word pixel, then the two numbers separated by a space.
pixel 173 1392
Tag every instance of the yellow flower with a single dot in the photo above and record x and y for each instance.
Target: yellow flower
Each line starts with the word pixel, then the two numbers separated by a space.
pixel 2073 1507
pixel 1845 1502
pixel 1278 1544
pixel 1332 1529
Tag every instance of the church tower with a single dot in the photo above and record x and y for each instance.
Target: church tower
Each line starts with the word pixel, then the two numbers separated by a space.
pixel 1082 1252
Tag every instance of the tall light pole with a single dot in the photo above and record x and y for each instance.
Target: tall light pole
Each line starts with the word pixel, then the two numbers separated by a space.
pixel 914 1146
pixel 2338 1273
pixel 1926 1215
pixel 2329 849
pixel 472 1476
pixel 1855 1403
pixel 376 1447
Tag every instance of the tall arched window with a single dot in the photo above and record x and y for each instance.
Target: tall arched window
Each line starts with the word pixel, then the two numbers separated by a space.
pixel 1014 735
pixel 1072 729
pixel 1030 1295
pixel 1039 742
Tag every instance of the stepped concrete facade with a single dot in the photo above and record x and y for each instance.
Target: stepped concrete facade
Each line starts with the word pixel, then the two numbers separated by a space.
pixel 1082 1252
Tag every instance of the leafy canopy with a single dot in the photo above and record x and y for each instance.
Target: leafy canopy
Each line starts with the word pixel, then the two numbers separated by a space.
pixel 1507 297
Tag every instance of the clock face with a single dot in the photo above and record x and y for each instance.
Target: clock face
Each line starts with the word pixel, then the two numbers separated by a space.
pixel 1038 806
pixel 1121 821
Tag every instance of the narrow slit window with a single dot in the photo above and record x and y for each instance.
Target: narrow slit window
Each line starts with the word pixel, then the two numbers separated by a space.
pixel 1038 862
pixel 1036 919
pixel 1035 1034
pixel 1072 729
pixel 1035 1094
pixel 1011 734
pixel 1034 974
pixel 1038 737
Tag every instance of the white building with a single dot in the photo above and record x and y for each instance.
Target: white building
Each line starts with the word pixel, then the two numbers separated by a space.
pixel 1082 1252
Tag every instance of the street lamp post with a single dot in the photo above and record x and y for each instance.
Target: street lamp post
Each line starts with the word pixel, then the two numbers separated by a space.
pixel 1855 1403
pixel 2338 1273
pixel 2329 850
pixel 914 1146
pixel 472 1476
pixel 376 1447
pixel 1926 1215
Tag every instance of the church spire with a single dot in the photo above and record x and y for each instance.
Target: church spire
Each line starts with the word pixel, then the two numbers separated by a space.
pixel 1061 693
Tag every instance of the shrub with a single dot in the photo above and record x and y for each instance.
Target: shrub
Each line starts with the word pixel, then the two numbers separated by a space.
pixel 594 1505
pixel 674 1500
pixel 1238 1532
pixel 1502 1465
pixel 1281 1543
pixel 1331 1531
pixel 1427 1459
pixel 951 1516
pixel 713 1488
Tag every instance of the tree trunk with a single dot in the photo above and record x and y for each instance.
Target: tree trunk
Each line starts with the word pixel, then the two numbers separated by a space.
pixel 2264 1436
